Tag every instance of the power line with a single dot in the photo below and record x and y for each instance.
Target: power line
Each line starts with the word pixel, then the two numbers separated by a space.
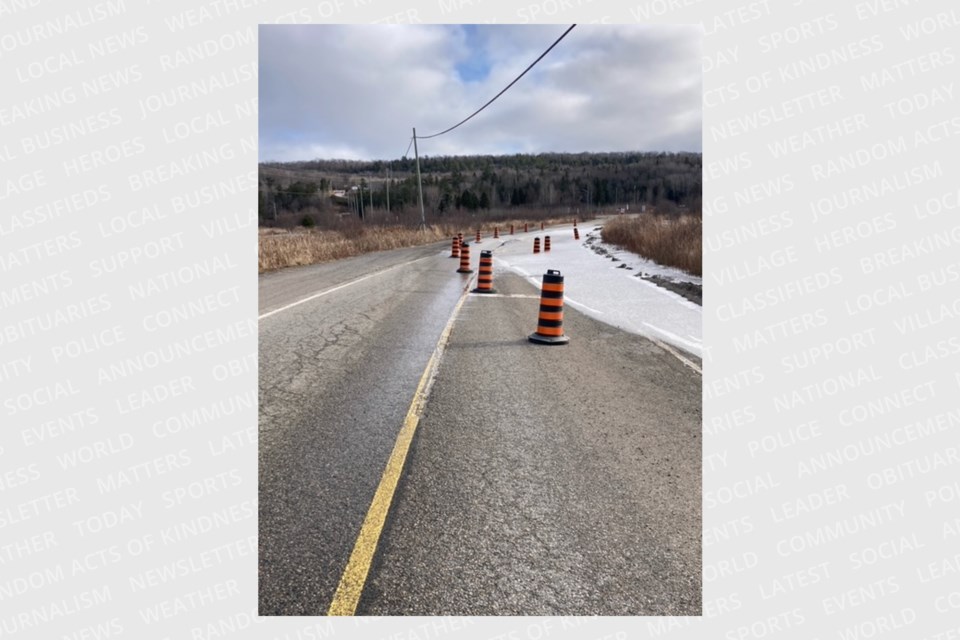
pixel 557 41
pixel 283 191
pixel 408 149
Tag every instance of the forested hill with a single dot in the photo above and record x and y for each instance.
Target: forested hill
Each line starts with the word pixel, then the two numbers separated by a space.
pixel 545 180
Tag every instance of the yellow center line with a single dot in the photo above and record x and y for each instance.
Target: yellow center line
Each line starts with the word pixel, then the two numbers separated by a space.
pixel 354 577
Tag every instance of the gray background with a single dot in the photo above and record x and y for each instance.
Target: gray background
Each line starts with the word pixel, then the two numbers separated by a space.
pixel 128 332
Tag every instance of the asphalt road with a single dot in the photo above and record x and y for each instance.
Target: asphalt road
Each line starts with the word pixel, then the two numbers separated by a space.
pixel 560 480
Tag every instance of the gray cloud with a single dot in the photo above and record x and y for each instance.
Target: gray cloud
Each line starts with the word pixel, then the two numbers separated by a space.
pixel 355 91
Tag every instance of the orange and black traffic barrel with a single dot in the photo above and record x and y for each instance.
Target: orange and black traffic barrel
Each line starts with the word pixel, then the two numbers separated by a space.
pixel 574 223
pixel 511 229
pixel 546 243
pixel 464 259
pixel 576 233
pixel 455 248
pixel 496 232
pixel 541 226
pixel 550 321
pixel 478 235
pixel 536 244
pixel 485 279
pixel 525 227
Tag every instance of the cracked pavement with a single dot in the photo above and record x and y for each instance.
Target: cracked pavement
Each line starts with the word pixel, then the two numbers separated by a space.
pixel 541 481
pixel 336 376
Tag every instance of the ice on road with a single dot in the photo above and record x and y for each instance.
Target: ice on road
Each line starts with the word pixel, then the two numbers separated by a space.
pixel 603 289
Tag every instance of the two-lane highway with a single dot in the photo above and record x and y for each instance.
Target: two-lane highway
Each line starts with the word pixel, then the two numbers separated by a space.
pixel 541 480
pixel 337 373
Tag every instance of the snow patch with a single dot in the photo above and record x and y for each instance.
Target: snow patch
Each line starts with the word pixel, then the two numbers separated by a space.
pixel 607 291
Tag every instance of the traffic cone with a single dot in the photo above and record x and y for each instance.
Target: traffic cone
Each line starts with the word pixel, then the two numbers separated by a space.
pixel 464 259
pixel 485 279
pixel 496 232
pixel 455 248
pixel 478 235
pixel 550 321
pixel 576 233
pixel 536 244
pixel 546 243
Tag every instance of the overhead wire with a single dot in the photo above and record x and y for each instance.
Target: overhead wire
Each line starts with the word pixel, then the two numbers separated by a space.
pixel 502 91
pixel 555 43
pixel 281 191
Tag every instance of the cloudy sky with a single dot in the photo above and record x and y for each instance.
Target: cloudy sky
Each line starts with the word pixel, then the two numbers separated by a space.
pixel 355 91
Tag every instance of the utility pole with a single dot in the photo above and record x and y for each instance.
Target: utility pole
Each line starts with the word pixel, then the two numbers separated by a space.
pixel 360 199
pixel 388 190
pixel 416 153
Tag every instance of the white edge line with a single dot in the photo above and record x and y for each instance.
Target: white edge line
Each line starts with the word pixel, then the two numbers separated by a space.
pixel 656 341
pixel 674 352
pixel 338 287
pixel 580 304
pixel 672 335
pixel 679 357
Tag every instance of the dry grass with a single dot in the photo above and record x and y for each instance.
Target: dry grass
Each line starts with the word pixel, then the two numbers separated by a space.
pixel 294 248
pixel 674 242
pixel 281 248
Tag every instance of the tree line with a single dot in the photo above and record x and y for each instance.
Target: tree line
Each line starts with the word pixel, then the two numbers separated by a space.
pixel 482 183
